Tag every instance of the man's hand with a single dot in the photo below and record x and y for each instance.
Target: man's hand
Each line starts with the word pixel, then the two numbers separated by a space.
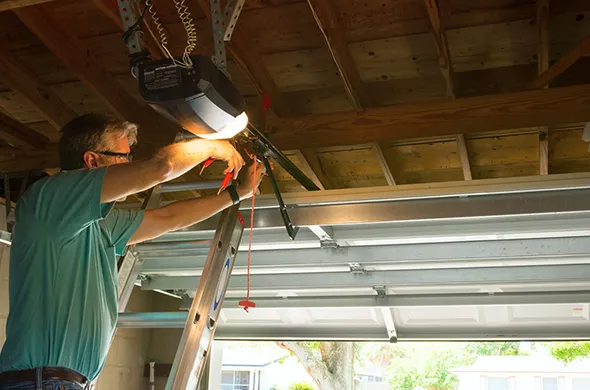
pixel 168 163
pixel 181 214
pixel 252 180
pixel 223 150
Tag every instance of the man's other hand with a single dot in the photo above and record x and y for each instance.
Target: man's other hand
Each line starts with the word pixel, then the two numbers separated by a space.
pixel 252 180
pixel 223 150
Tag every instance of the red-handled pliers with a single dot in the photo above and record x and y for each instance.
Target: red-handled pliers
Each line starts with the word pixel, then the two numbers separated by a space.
pixel 208 162
pixel 226 180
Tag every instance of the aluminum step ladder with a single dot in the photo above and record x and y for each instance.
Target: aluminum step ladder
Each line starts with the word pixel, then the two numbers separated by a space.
pixel 193 351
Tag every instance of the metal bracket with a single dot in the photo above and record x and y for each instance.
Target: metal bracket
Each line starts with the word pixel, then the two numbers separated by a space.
pixel 357 268
pixel 232 13
pixel 380 290
pixel 218 22
pixel 128 18
pixel 329 244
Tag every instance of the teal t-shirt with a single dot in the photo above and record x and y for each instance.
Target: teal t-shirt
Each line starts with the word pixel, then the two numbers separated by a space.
pixel 63 274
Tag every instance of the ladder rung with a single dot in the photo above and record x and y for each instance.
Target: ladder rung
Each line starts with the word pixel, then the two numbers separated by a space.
pixel 190 186
pixel 174 245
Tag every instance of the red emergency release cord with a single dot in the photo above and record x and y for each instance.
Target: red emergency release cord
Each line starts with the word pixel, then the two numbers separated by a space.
pixel 247 303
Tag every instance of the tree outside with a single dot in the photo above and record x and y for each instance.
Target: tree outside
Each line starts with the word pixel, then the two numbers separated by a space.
pixel 410 366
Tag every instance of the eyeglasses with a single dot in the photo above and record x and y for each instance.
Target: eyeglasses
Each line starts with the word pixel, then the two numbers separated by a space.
pixel 128 156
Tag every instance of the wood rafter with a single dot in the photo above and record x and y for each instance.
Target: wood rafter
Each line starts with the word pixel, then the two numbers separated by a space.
pixel 18 78
pixel 6 5
pixel 570 58
pixel 313 166
pixel 382 152
pixel 354 86
pixel 438 15
pixel 12 160
pixel 19 135
pixel 327 22
pixel 442 45
pixel 158 131
pixel 546 107
pixel 542 66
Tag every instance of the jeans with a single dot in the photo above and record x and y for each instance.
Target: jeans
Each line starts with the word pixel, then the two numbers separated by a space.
pixel 47 385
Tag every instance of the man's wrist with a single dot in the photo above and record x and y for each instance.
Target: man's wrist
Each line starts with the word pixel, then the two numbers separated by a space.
pixel 244 193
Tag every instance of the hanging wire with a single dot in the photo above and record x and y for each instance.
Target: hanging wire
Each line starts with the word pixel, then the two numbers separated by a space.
pixel 191 33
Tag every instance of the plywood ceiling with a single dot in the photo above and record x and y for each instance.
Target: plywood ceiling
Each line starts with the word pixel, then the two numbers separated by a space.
pixel 319 57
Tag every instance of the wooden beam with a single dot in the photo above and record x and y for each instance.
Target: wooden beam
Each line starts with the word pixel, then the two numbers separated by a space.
pixel 442 45
pixel 562 64
pixel 464 156
pixel 12 160
pixel 245 57
pixel 18 78
pixel 542 66
pixel 20 135
pixel 157 131
pixel 439 14
pixel 381 153
pixel 6 5
pixel 313 166
pixel 546 107
pixel 327 21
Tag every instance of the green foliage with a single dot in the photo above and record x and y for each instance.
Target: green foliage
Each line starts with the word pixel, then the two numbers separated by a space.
pixel 424 365
pixel 301 386
pixel 569 351
pixel 313 344
pixel 427 366
pixel 511 348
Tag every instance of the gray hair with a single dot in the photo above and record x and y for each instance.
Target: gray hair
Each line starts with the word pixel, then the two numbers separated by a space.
pixel 91 132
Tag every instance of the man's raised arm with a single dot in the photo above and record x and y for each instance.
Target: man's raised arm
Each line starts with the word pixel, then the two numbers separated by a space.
pixel 170 162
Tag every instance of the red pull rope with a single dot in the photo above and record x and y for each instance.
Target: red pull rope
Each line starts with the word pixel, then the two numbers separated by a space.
pixel 247 303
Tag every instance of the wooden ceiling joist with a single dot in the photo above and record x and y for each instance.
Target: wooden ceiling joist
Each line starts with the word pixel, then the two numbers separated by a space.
pixel 6 5
pixel 157 131
pixel 314 168
pixel 562 64
pixel 382 153
pixel 542 66
pixel 327 21
pixel 442 45
pixel 12 160
pixel 436 9
pixel 19 135
pixel 17 77
pixel 546 107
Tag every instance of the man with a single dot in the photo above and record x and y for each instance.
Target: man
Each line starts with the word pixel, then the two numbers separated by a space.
pixel 67 235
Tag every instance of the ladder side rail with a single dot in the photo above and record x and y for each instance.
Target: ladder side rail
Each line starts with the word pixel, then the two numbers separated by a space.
pixel 201 323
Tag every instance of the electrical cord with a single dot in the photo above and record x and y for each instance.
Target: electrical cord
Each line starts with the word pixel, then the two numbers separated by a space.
pixel 127 33
pixel 191 33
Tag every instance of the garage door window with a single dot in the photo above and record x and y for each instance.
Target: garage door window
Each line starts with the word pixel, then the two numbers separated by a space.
pixel 498 384
pixel 550 384
pixel 235 380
